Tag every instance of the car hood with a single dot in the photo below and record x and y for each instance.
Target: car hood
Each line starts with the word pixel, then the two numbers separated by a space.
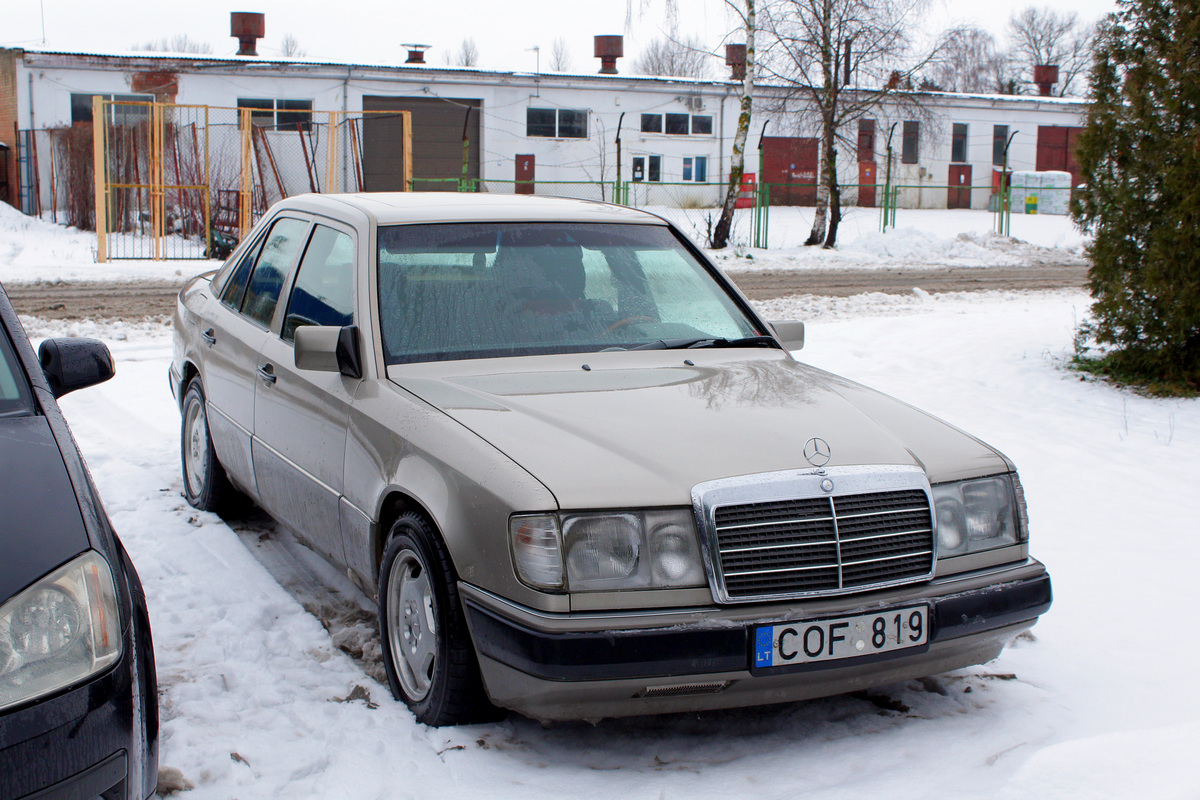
pixel 633 429
pixel 42 526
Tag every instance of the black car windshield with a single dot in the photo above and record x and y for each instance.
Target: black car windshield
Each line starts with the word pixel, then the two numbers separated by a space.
pixel 486 290
pixel 15 399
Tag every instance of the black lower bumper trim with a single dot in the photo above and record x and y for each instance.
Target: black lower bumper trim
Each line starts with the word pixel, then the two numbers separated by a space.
pixel 612 655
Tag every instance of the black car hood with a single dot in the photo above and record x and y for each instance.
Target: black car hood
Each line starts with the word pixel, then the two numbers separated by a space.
pixel 40 524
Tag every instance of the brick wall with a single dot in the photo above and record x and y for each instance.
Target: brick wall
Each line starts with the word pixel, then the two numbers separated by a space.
pixel 8 123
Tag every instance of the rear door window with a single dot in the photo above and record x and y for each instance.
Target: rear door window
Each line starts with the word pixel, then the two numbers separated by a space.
pixel 279 251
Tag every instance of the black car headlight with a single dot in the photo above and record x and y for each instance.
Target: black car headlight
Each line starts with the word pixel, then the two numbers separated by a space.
pixel 979 514
pixel 60 631
pixel 608 551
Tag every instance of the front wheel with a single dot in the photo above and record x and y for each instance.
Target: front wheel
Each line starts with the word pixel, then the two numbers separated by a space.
pixel 427 651
pixel 204 482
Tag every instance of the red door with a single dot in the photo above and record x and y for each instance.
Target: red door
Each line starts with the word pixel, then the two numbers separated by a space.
pixel 1056 150
pixel 525 169
pixel 790 167
pixel 960 186
pixel 866 184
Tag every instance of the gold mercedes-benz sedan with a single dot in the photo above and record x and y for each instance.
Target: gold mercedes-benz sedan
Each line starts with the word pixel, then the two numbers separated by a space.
pixel 581 475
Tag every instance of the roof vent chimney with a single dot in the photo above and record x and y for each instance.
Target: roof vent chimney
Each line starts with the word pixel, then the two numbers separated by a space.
pixel 608 50
pixel 248 27
pixel 735 59
pixel 416 53
pixel 1045 77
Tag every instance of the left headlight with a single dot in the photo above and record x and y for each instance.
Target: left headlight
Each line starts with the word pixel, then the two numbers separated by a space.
pixel 980 514
pixel 608 551
pixel 59 631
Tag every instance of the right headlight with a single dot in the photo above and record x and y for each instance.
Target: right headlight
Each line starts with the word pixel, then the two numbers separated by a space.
pixel 606 551
pixel 979 514
pixel 60 631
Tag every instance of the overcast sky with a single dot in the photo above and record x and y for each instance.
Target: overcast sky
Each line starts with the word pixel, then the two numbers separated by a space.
pixel 373 31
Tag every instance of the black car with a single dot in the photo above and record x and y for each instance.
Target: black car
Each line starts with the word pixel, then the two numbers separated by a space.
pixel 78 694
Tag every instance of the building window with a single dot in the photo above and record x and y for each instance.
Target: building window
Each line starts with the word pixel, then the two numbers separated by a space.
pixel 958 144
pixel 696 169
pixel 702 125
pixel 999 140
pixel 562 123
pixel 911 148
pixel 866 140
pixel 572 124
pixel 288 115
pixel 647 168
pixel 81 108
pixel 677 124
pixel 651 123
pixel 541 122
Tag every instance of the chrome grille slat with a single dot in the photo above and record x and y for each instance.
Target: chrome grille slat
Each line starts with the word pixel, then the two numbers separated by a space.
pixel 822 545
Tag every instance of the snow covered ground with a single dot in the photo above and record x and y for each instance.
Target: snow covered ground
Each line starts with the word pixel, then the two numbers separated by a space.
pixel 269 670
pixel 259 701
pixel 33 250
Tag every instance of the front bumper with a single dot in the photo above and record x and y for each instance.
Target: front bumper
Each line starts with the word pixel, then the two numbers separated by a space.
pixel 602 665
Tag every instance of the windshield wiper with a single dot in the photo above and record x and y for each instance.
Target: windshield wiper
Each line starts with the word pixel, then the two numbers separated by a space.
pixel 709 341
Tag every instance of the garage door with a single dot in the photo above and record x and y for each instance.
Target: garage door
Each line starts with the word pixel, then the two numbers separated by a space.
pixel 437 143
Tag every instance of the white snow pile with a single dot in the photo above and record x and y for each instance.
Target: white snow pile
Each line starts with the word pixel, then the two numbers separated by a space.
pixel 35 250
pixel 269 675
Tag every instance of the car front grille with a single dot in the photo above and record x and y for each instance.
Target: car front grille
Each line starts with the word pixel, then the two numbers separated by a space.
pixel 832 544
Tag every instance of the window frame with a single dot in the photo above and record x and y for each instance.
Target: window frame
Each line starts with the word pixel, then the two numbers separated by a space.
pixel 580 124
pixel 999 139
pixel 910 149
pixel 958 143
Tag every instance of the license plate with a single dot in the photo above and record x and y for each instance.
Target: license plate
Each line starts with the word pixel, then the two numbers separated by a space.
pixel 809 641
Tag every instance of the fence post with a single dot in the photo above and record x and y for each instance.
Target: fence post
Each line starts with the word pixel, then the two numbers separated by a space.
pixel 331 145
pixel 100 172
pixel 246 192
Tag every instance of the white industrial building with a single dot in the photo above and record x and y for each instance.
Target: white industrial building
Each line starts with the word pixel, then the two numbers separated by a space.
pixel 487 130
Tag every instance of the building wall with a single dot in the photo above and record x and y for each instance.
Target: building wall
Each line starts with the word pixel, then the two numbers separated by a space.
pixel 503 134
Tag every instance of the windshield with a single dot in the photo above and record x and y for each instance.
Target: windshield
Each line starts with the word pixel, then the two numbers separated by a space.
pixel 487 290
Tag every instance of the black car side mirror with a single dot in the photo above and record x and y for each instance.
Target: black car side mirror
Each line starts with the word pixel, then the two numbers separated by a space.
pixel 71 364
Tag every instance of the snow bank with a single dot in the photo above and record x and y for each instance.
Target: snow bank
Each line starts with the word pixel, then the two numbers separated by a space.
pixel 34 250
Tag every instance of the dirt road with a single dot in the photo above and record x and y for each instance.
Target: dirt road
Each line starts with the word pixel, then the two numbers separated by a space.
pixel 138 299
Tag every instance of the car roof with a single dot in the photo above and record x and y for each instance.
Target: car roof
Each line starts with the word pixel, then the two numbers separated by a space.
pixel 398 208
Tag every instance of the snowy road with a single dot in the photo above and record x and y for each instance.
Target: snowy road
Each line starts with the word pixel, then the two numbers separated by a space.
pixel 259 701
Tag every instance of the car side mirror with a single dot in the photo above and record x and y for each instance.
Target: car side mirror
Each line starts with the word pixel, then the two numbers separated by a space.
pixel 326 348
pixel 790 332
pixel 71 364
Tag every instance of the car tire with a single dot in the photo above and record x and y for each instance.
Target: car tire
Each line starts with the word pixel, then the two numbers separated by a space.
pixel 205 484
pixel 427 652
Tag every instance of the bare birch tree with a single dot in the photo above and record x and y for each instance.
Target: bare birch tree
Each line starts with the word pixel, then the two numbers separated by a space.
pixel 971 61
pixel 841 56
pixel 746 13
pixel 684 57
pixel 289 47
pixel 560 56
pixel 179 43
pixel 1044 36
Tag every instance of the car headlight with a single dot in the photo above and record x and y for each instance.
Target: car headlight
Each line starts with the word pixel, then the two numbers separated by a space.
pixel 60 631
pixel 980 514
pixel 608 551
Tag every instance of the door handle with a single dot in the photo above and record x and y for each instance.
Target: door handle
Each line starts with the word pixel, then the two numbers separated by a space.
pixel 267 373
pixel 209 336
